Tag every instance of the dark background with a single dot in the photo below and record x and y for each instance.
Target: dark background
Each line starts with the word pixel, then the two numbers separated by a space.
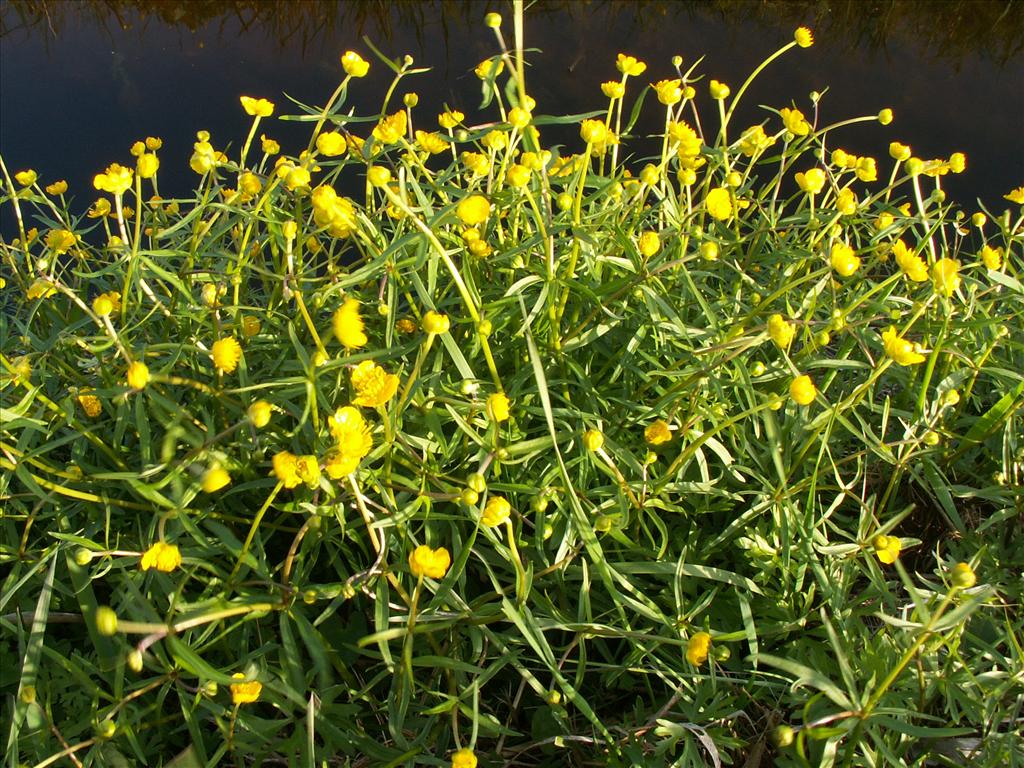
pixel 83 80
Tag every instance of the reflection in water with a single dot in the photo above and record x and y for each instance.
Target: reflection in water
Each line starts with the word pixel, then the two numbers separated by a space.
pixel 946 29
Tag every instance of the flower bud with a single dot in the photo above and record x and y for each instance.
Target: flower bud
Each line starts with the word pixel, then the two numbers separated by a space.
pixel 963 576
pixel 492 20
pixel 593 439
pixel 106 621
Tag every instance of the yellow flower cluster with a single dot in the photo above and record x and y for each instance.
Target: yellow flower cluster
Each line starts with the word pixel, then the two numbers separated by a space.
pixel 373 385
pixel 291 470
pixel 336 214
pixel 116 180
pixel 162 556
pixel 899 349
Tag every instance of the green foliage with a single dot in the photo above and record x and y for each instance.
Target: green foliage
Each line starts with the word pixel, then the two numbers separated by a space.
pixel 729 537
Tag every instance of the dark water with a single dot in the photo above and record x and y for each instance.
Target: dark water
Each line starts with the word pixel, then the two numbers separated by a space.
pixel 83 80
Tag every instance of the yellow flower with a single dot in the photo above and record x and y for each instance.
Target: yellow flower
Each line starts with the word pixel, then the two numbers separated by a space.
pixel 250 326
pixel 697 648
pixel 899 349
pixel 40 289
pixel 718 90
pixel 803 37
pixel 992 258
pixel 464 758
pixel 26 178
pixel 473 210
pixel 257 107
pixel 90 404
pixel 99 209
pixel 518 176
pixel 116 180
pixel 846 202
pixel 844 260
pixel 259 413
pixel 885 116
pixel 1015 196
pixel 60 240
pixel 337 214
pixel 958 162
pixel 57 188
pixel 269 146
pixel 450 119
pixel 899 152
pixel 755 140
pixel 374 386
pixel 138 375
pixel 147 165
pixel 593 131
pixel 489 68
pixel 431 142
pixel 348 325
pixel 613 89
pixel 963 576
pixel 226 353
pixel 812 181
pixel 163 557
pixel 307 468
pixel 718 203
pixel 669 91
pixel 887 548
pixel 331 144
pixel 476 162
pixel 649 243
pixel 106 303
pixel 593 440
pixel 286 469
pixel 435 322
pixel 781 331
pixel 794 121
pixel 945 276
pixel 215 479
pixel 910 264
pixel 802 390
pixel 351 432
pixel 498 407
pixel 496 512
pixel 658 432
pixel 340 464
pixel 354 64
pixel 866 169
pixel 243 692
pixel 432 563
pixel 391 128
pixel 628 65
pixel 519 118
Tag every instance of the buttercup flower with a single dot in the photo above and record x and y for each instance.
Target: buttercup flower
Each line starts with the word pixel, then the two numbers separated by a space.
pixel 718 203
pixel 473 210
pixel 945 276
pixel 432 563
pixel 60 240
pixel 331 144
pixel 464 758
pixel 755 140
pixel 518 176
pixel 57 188
pixel 1015 195
pixel 963 576
pixel 307 468
pixel 116 180
pixel 846 202
pixel 354 64
pixel 519 117
pixel 269 146
pixel 26 178
pixel 649 243
pixel 496 512
pixel 164 557
pixel 697 648
pixel 613 89
pixel 803 37
pixel 353 438
pixel 138 375
pixel 90 404
pixel 337 214
pixel 669 91
pixel 811 181
pixel 658 432
pixel 794 121
pixel 348 325
pixel 259 413
pixel 257 107
pixel 900 152
pixel 489 68
pixel 374 386
pixel 498 407
pixel 992 258
pixel 226 353
pixel 781 331
pixel 911 265
pixel 802 390
pixel 435 322
pixel 887 548
pixel 431 143
pixel 286 469
pixel 718 90
pixel 593 131
pixel 628 65
pixel 899 349
pixel 147 165
pixel 866 169
pixel 243 692
pixel 450 119
pixel 106 303
pixel 215 479
pixel 844 260
pixel 391 128
pixel 593 440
